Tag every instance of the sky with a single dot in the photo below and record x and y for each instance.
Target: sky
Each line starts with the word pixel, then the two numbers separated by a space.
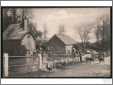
pixel 72 19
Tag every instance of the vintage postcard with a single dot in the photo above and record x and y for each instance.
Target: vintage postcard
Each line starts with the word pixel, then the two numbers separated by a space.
pixel 56 42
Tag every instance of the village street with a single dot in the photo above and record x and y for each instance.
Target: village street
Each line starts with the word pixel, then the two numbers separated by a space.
pixel 56 42
pixel 75 70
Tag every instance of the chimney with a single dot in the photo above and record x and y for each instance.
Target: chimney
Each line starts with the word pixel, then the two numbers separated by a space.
pixel 25 24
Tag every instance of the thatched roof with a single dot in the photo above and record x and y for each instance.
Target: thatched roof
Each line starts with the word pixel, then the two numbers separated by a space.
pixel 14 31
pixel 65 39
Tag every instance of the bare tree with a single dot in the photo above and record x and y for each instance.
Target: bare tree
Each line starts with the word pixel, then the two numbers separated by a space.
pixel 83 33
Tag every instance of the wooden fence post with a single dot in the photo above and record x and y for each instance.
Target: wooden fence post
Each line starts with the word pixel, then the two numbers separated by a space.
pixel 40 61
pixel 5 64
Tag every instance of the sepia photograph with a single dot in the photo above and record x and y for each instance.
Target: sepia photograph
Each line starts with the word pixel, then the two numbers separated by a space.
pixel 56 42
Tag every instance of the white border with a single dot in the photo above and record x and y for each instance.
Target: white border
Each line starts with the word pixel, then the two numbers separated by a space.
pixel 56 3
pixel 56 81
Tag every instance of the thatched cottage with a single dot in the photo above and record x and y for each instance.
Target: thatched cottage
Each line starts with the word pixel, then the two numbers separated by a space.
pixel 61 44
pixel 17 42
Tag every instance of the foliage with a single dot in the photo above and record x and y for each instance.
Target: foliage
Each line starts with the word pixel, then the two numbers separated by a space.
pixel 103 32
pixel 8 17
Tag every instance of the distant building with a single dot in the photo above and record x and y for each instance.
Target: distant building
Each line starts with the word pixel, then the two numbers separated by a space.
pixel 61 44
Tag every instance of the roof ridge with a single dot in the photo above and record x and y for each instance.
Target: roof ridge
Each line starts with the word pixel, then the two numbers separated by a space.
pixel 66 39
pixel 12 32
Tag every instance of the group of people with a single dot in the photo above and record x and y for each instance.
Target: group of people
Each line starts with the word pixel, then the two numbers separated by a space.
pixel 93 56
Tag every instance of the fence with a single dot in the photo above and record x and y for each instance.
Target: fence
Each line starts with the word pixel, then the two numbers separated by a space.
pixel 61 56
pixel 15 65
